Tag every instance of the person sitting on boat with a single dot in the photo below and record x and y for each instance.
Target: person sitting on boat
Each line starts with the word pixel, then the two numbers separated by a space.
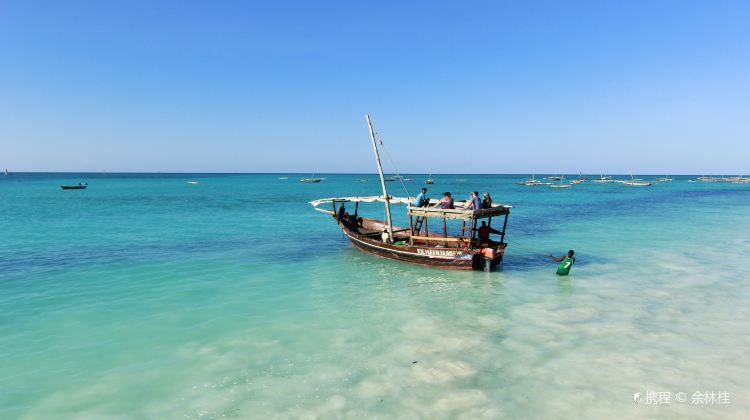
pixel 566 261
pixel 422 200
pixel 486 201
pixel 341 213
pixel 483 233
pixel 446 202
pixel 385 236
pixel 474 202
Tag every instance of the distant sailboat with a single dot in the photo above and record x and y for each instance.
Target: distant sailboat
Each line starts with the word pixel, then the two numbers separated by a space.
pixel 6 172
pixel 636 182
pixel 311 179
pixel 429 179
pixel 560 185
pixel 533 182
pixel 580 179
pixel 604 180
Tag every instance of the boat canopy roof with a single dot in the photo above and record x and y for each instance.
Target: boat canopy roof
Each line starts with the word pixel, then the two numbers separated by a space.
pixel 457 213
pixel 366 199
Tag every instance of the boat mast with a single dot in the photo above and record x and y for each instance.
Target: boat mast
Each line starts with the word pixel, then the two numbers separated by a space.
pixel 382 179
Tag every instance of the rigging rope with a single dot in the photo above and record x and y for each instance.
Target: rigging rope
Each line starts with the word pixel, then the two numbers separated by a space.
pixel 388 155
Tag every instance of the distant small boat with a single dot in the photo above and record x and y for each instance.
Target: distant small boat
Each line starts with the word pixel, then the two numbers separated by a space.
pixel 390 178
pixel 311 179
pixel 664 179
pixel 580 179
pixel 80 186
pixel 362 180
pixel 192 182
pixel 554 178
pixel 709 179
pixel 560 185
pixel 533 182
pixel 603 180
pixel 6 172
pixel 284 177
pixel 636 182
pixel 429 179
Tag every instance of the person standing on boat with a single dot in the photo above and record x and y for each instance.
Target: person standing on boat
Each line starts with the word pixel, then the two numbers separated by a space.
pixel 474 202
pixel 483 233
pixel 422 200
pixel 341 213
pixel 446 202
pixel 566 262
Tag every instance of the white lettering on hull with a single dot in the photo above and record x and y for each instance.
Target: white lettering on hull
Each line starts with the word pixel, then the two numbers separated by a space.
pixel 438 252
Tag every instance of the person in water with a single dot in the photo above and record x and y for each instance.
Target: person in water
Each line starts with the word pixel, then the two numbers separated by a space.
pixel 486 201
pixel 483 233
pixel 566 262
pixel 446 202
pixel 474 202
pixel 422 200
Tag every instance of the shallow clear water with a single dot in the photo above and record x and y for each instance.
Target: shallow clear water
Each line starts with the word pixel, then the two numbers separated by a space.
pixel 149 297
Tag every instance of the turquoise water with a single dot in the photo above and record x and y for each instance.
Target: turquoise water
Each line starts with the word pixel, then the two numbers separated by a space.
pixel 144 296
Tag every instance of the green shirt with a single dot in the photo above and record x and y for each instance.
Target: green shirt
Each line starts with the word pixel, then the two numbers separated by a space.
pixel 565 265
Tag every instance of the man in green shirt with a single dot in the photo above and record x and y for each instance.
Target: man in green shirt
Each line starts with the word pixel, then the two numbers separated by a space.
pixel 566 261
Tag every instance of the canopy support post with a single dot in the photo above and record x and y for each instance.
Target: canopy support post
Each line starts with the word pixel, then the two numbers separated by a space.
pixel 505 224
pixel 411 229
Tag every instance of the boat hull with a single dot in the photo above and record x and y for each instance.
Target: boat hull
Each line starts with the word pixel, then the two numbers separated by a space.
pixel 450 258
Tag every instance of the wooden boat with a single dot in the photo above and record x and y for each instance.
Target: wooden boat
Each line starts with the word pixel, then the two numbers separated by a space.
pixel 417 243
pixel 580 180
pixel 311 179
pixel 636 182
pixel 603 180
pixel 709 179
pixel 738 180
pixel 533 182
pixel 560 185
pixel 75 187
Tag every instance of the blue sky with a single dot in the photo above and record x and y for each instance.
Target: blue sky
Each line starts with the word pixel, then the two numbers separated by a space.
pixel 452 86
